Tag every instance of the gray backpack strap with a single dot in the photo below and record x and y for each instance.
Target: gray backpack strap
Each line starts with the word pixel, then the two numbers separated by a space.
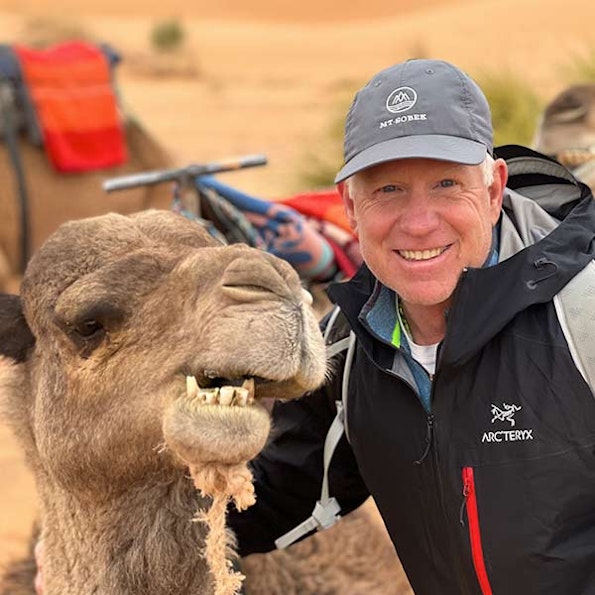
pixel 574 307
pixel 331 324
pixel 326 510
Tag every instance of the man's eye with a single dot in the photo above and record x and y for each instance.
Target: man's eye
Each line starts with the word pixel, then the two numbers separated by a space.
pixel 388 188
pixel 446 183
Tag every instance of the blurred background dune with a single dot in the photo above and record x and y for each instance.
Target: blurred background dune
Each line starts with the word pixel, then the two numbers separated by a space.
pixel 276 77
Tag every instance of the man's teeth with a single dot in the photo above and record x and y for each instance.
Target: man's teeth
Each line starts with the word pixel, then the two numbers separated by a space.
pixel 225 395
pixel 421 254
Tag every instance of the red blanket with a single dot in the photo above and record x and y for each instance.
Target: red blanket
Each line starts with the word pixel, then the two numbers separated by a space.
pixel 326 205
pixel 71 89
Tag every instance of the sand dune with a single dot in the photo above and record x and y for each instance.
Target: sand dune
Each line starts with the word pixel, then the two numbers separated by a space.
pixel 273 75
pixel 238 10
pixel 275 86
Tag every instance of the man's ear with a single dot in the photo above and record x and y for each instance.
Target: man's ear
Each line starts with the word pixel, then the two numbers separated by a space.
pixel 16 338
pixel 496 189
pixel 343 188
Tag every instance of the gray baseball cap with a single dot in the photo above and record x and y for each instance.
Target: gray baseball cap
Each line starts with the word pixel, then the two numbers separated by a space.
pixel 418 108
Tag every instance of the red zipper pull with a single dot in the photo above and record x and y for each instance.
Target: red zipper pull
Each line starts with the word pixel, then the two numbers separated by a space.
pixel 466 492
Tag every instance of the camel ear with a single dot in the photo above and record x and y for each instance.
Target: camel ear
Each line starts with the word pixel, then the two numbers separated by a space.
pixel 16 338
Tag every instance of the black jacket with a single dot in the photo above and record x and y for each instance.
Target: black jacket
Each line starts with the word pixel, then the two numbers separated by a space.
pixel 493 489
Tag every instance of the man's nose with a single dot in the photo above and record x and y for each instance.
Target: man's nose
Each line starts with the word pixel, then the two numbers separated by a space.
pixel 419 215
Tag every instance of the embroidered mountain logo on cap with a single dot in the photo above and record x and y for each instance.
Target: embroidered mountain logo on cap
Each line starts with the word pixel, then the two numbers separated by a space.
pixel 401 100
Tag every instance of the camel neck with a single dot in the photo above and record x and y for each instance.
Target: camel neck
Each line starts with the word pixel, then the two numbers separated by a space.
pixel 141 542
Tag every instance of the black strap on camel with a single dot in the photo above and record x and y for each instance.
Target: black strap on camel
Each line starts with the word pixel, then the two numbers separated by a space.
pixel 9 127
pixel 18 115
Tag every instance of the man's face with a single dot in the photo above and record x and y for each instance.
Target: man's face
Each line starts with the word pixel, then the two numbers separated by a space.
pixel 420 222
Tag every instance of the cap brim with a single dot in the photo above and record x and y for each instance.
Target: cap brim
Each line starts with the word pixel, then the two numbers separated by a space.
pixel 443 148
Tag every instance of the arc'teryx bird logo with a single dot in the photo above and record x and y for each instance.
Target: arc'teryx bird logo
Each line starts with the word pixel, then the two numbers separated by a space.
pixel 401 100
pixel 502 414
pixel 505 414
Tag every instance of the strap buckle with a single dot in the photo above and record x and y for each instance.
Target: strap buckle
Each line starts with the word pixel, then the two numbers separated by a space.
pixel 324 515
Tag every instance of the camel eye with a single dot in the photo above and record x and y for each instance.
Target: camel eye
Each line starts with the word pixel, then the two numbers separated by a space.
pixel 87 334
pixel 89 321
pixel 88 329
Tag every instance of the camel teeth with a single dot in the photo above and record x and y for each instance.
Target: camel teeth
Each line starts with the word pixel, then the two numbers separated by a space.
pixel 248 384
pixel 226 395
pixel 192 387
pixel 210 395
pixel 242 395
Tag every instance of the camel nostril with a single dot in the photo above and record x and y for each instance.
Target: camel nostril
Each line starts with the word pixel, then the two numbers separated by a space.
pixel 248 277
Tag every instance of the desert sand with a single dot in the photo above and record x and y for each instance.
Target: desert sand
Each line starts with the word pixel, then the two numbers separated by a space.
pixel 273 76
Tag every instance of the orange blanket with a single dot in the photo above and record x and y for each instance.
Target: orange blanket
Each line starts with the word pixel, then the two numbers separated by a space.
pixel 322 204
pixel 71 89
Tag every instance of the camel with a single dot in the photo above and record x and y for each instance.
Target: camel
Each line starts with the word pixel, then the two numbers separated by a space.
pixel 55 197
pixel 567 131
pixel 120 369
pixel 92 411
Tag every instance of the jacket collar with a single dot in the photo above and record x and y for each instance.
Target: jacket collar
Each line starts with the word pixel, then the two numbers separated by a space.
pixel 538 256
pixel 487 299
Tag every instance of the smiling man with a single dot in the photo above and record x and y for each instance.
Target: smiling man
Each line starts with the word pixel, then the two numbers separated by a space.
pixel 422 190
pixel 421 222
pixel 466 385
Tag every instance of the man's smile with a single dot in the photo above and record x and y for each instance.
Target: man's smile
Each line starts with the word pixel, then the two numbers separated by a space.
pixel 422 254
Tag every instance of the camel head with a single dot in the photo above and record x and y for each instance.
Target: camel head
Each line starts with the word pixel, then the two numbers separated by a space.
pixel 140 345
pixel 567 127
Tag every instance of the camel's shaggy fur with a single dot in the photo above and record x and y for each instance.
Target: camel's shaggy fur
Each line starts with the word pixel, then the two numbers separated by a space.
pixel 116 312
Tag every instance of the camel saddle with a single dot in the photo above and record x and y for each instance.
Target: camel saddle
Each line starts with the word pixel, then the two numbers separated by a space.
pixel 15 96
pixel 62 98
pixel 63 139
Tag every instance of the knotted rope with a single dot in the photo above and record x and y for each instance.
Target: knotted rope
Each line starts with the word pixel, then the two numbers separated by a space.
pixel 222 484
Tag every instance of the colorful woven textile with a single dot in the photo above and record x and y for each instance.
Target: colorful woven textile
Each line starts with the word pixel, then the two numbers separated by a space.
pixel 281 230
pixel 325 212
pixel 71 89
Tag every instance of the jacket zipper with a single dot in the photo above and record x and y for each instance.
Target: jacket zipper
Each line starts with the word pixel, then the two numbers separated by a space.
pixel 429 438
pixel 470 503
